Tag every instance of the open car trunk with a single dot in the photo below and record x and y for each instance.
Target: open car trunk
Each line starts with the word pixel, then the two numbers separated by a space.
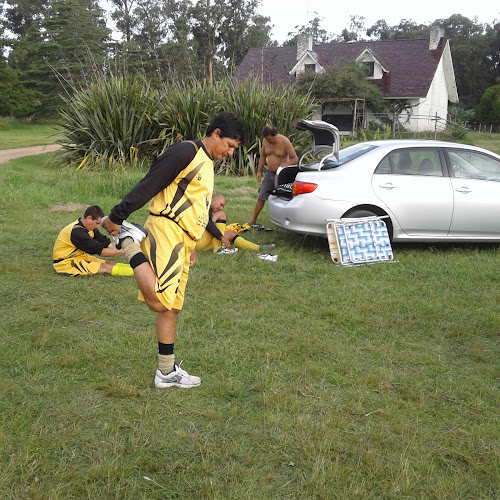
pixel 325 139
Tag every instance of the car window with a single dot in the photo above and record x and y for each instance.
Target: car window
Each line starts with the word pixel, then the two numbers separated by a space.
pixel 467 164
pixel 411 161
pixel 345 155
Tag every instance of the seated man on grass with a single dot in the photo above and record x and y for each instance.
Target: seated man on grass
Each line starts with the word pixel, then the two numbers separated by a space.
pixel 79 239
pixel 218 236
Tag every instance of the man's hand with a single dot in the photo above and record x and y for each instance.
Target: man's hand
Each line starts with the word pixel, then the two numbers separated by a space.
pixel 226 243
pixel 192 258
pixel 112 246
pixel 258 176
pixel 112 228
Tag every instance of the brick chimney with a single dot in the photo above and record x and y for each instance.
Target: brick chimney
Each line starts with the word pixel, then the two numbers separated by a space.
pixel 304 43
pixel 437 32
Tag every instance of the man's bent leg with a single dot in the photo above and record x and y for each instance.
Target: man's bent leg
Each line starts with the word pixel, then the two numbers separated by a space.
pixel 259 205
pixel 143 274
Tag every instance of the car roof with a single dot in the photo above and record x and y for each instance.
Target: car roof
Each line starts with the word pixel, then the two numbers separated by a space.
pixel 417 143
pixel 409 143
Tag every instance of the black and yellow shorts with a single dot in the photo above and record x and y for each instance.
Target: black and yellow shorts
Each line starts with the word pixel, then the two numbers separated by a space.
pixel 168 249
pixel 83 265
pixel 206 242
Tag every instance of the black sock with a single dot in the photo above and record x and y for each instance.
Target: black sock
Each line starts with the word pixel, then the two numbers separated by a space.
pixel 165 349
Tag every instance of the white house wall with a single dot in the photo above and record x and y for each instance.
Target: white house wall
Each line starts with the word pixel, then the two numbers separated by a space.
pixel 435 103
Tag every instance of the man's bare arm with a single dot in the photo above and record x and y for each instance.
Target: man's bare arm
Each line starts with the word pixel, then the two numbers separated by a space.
pixel 260 165
pixel 293 159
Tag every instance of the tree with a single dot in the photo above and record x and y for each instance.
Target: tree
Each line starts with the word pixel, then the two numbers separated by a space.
pixel 122 15
pixel 20 15
pixel 471 57
pixel 233 32
pixel 57 53
pixel 221 29
pixel 341 82
pixel 151 25
pixel 259 32
pixel 492 39
pixel 16 101
pixel 357 25
pixel 313 27
pixel 488 109
pixel 379 31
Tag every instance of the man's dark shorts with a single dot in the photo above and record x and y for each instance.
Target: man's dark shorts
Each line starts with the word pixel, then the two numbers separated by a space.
pixel 267 185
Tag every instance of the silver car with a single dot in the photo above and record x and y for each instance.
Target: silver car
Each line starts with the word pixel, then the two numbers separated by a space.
pixel 428 190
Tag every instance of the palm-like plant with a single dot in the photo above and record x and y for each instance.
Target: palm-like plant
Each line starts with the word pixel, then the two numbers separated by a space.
pixel 111 123
pixel 123 121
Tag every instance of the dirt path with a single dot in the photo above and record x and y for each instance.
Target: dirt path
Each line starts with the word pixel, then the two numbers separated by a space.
pixel 10 154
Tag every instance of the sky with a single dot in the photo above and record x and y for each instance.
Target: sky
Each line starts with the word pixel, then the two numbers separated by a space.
pixel 286 14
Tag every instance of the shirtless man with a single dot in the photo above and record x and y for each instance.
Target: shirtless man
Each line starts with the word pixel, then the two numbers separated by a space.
pixel 278 151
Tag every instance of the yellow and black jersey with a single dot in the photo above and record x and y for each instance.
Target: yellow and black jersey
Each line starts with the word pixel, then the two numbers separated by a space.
pixel 179 184
pixel 74 240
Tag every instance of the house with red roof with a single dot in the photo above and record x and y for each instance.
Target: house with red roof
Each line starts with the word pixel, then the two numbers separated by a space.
pixel 418 72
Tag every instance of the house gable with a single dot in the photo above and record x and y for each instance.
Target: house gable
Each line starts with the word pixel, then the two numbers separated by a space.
pixel 376 69
pixel 308 62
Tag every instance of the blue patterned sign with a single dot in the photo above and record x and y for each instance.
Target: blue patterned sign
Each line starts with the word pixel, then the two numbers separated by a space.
pixel 359 241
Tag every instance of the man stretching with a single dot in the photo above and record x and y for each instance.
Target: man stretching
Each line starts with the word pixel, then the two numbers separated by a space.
pixel 77 240
pixel 180 186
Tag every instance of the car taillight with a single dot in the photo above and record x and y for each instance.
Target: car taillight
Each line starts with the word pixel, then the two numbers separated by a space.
pixel 303 187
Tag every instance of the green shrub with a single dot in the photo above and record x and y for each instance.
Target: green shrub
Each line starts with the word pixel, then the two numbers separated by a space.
pixel 122 121
pixel 372 133
pixel 111 123
pixel 488 109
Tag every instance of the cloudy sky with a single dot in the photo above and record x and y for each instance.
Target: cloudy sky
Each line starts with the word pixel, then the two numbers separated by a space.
pixel 286 14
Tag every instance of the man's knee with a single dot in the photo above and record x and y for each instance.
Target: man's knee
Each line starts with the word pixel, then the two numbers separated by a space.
pixel 230 234
pixel 154 304
pixel 220 215
pixel 106 267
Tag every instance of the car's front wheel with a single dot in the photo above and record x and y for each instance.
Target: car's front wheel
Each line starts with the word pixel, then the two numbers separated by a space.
pixel 361 213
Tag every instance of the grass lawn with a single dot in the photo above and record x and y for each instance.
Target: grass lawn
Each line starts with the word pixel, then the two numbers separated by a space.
pixel 317 381
pixel 487 141
pixel 20 134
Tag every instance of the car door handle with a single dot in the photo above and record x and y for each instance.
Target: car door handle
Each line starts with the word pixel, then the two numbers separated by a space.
pixel 387 185
pixel 463 190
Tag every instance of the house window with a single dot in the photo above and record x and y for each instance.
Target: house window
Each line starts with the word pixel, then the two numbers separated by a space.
pixel 310 67
pixel 371 68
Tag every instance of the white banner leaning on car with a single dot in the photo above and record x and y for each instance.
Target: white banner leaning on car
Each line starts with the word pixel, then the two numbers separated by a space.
pixel 355 242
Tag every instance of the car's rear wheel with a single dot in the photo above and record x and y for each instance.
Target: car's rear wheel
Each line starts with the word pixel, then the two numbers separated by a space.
pixel 360 213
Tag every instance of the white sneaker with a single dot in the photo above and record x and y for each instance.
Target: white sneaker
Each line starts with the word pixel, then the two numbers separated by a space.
pixel 176 378
pixel 226 251
pixel 130 230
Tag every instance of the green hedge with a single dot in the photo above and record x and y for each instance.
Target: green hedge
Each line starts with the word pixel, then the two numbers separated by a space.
pixel 122 122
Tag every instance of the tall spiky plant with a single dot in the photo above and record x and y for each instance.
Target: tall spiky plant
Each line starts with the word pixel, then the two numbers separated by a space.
pixel 111 123
pixel 186 108
pixel 123 121
pixel 259 105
